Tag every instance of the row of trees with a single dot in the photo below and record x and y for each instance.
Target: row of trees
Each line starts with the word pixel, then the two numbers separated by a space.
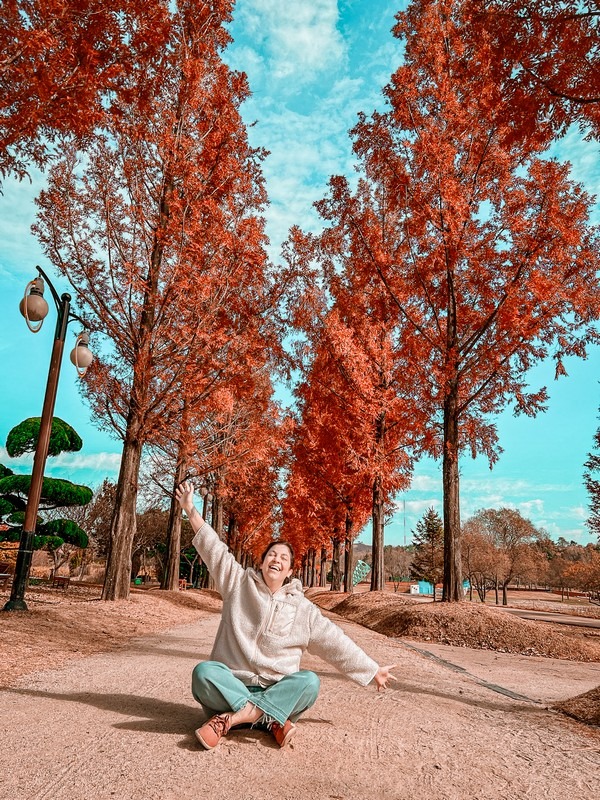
pixel 501 548
pixel 153 212
pixel 462 256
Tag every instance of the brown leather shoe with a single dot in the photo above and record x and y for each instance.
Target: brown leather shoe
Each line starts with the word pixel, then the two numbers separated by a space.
pixel 209 735
pixel 283 733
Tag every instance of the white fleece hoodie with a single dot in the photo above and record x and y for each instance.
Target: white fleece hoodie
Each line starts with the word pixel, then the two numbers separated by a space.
pixel 262 636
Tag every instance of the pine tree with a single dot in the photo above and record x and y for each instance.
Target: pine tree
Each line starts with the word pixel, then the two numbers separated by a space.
pixel 428 542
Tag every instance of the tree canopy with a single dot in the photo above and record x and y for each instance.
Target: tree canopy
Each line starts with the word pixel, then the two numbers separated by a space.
pixel 64 69
pixel 482 244
pixel 458 257
pixel 24 436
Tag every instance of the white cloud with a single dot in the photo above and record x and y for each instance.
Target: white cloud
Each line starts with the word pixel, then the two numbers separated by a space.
pixel 425 483
pixel 583 157
pixel 63 464
pixel 103 462
pixel 419 507
pixel 304 151
pixel 296 41
pixel 20 461
pixel 531 508
pixel 20 249
pixel 580 513
pixel 246 59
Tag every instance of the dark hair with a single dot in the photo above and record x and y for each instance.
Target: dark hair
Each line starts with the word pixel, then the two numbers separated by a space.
pixel 272 544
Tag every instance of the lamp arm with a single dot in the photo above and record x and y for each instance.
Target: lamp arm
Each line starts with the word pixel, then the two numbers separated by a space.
pixel 51 287
pixel 60 304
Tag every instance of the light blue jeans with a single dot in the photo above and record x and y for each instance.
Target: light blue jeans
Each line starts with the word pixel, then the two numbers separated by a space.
pixel 217 690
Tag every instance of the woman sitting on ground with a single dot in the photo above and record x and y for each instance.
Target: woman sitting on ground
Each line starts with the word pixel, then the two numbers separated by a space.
pixel 254 675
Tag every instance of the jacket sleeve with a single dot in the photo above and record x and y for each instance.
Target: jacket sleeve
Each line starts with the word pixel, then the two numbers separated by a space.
pixel 224 569
pixel 329 642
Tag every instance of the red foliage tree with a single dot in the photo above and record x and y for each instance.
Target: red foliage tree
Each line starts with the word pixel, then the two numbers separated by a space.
pixel 484 248
pixel 359 399
pixel 224 385
pixel 250 475
pixel 328 496
pixel 157 230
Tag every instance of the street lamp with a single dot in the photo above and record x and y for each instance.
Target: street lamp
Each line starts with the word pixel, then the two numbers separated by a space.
pixel 35 308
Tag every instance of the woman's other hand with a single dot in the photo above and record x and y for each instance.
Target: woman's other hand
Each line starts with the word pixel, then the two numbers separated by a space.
pixel 184 494
pixel 383 675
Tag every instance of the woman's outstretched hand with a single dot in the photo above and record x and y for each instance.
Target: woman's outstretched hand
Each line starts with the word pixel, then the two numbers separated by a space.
pixel 184 494
pixel 383 675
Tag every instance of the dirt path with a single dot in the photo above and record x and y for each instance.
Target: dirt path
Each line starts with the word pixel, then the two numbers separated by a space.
pixel 120 725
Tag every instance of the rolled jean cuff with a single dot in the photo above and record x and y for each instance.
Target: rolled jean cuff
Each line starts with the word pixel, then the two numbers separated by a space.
pixel 289 698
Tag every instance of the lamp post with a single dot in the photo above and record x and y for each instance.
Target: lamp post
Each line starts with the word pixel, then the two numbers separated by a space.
pixel 34 308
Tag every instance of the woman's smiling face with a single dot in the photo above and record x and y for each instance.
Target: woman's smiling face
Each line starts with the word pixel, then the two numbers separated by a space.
pixel 276 566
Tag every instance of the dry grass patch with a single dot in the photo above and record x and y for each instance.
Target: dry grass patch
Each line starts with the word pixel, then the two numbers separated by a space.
pixel 459 624
pixel 584 707
pixel 60 627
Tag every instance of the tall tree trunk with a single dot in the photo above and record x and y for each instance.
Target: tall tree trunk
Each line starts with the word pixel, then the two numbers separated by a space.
pixel 123 523
pixel 377 572
pixel 452 588
pixel 136 564
pixel 170 579
pixel 232 537
pixel 207 508
pixel 323 576
pixel 348 557
pixel 217 514
pixel 312 556
pixel 336 583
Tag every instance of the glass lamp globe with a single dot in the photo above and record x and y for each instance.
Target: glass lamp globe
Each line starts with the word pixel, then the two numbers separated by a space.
pixel 33 306
pixel 81 356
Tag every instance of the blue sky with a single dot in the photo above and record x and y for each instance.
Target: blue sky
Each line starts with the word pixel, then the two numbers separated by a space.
pixel 312 67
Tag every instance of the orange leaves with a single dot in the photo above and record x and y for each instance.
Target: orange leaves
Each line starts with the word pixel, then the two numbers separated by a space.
pixel 158 224
pixel 62 60
pixel 546 55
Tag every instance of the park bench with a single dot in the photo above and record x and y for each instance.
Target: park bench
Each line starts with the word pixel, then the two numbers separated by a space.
pixel 60 582
pixel 4 579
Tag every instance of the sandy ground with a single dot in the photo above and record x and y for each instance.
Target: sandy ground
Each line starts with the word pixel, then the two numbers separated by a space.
pixel 460 723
